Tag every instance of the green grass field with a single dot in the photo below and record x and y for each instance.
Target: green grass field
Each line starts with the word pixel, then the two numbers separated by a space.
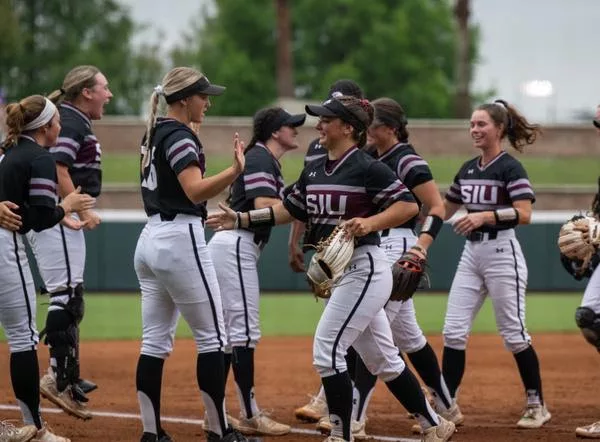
pixel 124 168
pixel 119 317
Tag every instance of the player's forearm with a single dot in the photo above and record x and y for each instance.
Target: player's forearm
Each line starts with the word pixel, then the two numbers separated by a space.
pixel 296 232
pixel 397 214
pixel 65 183
pixel 269 216
pixel 206 188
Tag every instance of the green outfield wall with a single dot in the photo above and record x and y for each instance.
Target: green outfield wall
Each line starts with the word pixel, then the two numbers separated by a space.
pixel 111 246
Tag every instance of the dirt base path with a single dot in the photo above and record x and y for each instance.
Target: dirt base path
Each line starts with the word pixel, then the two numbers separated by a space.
pixel 491 396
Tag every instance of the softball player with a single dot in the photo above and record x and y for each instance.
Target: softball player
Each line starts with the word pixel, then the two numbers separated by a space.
pixel 60 251
pixel 350 185
pixel 28 181
pixel 495 190
pixel 587 316
pixel 388 140
pixel 172 261
pixel 316 408
pixel 236 253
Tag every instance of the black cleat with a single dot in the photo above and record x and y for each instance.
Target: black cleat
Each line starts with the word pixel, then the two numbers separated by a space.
pixel 231 435
pixel 86 386
pixel 149 437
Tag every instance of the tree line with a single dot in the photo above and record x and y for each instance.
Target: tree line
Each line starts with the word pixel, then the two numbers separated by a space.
pixel 410 50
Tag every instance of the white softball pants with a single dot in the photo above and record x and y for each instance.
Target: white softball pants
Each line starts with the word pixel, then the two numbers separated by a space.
pixel 235 256
pixel 176 275
pixel 354 316
pixel 17 294
pixel 496 268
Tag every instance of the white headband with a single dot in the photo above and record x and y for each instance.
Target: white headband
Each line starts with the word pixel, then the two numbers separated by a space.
pixel 43 118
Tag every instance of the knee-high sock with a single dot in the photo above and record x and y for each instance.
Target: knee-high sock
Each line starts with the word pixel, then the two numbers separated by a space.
pixel 529 369
pixel 338 390
pixel 148 380
pixel 426 365
pixel 210 374
pixel 351 358
pixel 453 368
pixel 226 365
pixel 407 390
pixel 243 371
pixel 364 385
pixel 24 374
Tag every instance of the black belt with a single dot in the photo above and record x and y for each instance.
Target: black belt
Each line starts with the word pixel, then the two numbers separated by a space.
pixel 386 232
pixel 477 236
pixel 166 218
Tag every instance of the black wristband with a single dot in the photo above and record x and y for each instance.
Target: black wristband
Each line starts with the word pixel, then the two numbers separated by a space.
pixel 432 225
pixel 508 217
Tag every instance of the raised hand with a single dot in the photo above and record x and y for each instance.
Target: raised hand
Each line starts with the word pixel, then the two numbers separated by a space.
pixel 239 160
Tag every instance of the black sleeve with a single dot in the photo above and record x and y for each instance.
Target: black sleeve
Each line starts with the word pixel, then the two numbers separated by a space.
pixel 384 188
pixel 42 184
pixel 261 177
pixel 453 194
pixel 413 171
pixel 517 183
pixel 42 218
pixel 182 150
pixel 68 144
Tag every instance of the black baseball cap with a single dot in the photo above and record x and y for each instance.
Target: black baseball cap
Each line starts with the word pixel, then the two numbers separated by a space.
pixel 283 118
pixel 345 87
pixel 202 86
pixel 333 108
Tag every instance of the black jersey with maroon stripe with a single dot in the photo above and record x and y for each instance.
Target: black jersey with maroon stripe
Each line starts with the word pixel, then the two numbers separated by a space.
pixel 494 186
pixel 355 185
pixel 261 178
pixel 77 148
pixel 410 168
pixel 174 146
pixel 314 152
pixel 28 179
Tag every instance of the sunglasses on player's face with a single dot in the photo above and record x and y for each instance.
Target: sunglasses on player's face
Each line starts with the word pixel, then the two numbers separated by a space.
pixel 597 123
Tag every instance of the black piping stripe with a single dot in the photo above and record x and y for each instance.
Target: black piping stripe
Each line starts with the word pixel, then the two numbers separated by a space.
pixel 518 290
pixel 206 286
pixel 404 241
pixel 345 324
pixel 65 250
pixel 242 288
pixel 27 304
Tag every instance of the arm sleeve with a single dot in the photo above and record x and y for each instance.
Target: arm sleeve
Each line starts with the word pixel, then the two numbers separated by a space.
pixel 453 193
pixel 43 212
pixel 67 146
pixel 182 151
pixel 42 218
pixel 295 201
pixel 518 185
pixel 261 177
pixel 413 170
pixel 384 188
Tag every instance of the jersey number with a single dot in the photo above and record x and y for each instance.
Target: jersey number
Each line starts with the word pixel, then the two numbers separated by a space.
pixel 149 181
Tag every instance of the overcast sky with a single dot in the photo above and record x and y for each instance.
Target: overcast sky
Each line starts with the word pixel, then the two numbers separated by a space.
pixel 553 41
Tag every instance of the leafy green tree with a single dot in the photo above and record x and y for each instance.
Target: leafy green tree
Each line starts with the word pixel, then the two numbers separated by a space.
pixel 55 35
pixel 402 49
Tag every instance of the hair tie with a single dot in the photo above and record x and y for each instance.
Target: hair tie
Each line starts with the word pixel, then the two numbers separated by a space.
pixel 365 104
pixel 159 90
pixel 62 91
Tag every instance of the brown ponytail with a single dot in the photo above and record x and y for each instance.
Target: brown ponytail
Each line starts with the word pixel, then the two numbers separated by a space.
pixel 19 114
pixel 516 128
